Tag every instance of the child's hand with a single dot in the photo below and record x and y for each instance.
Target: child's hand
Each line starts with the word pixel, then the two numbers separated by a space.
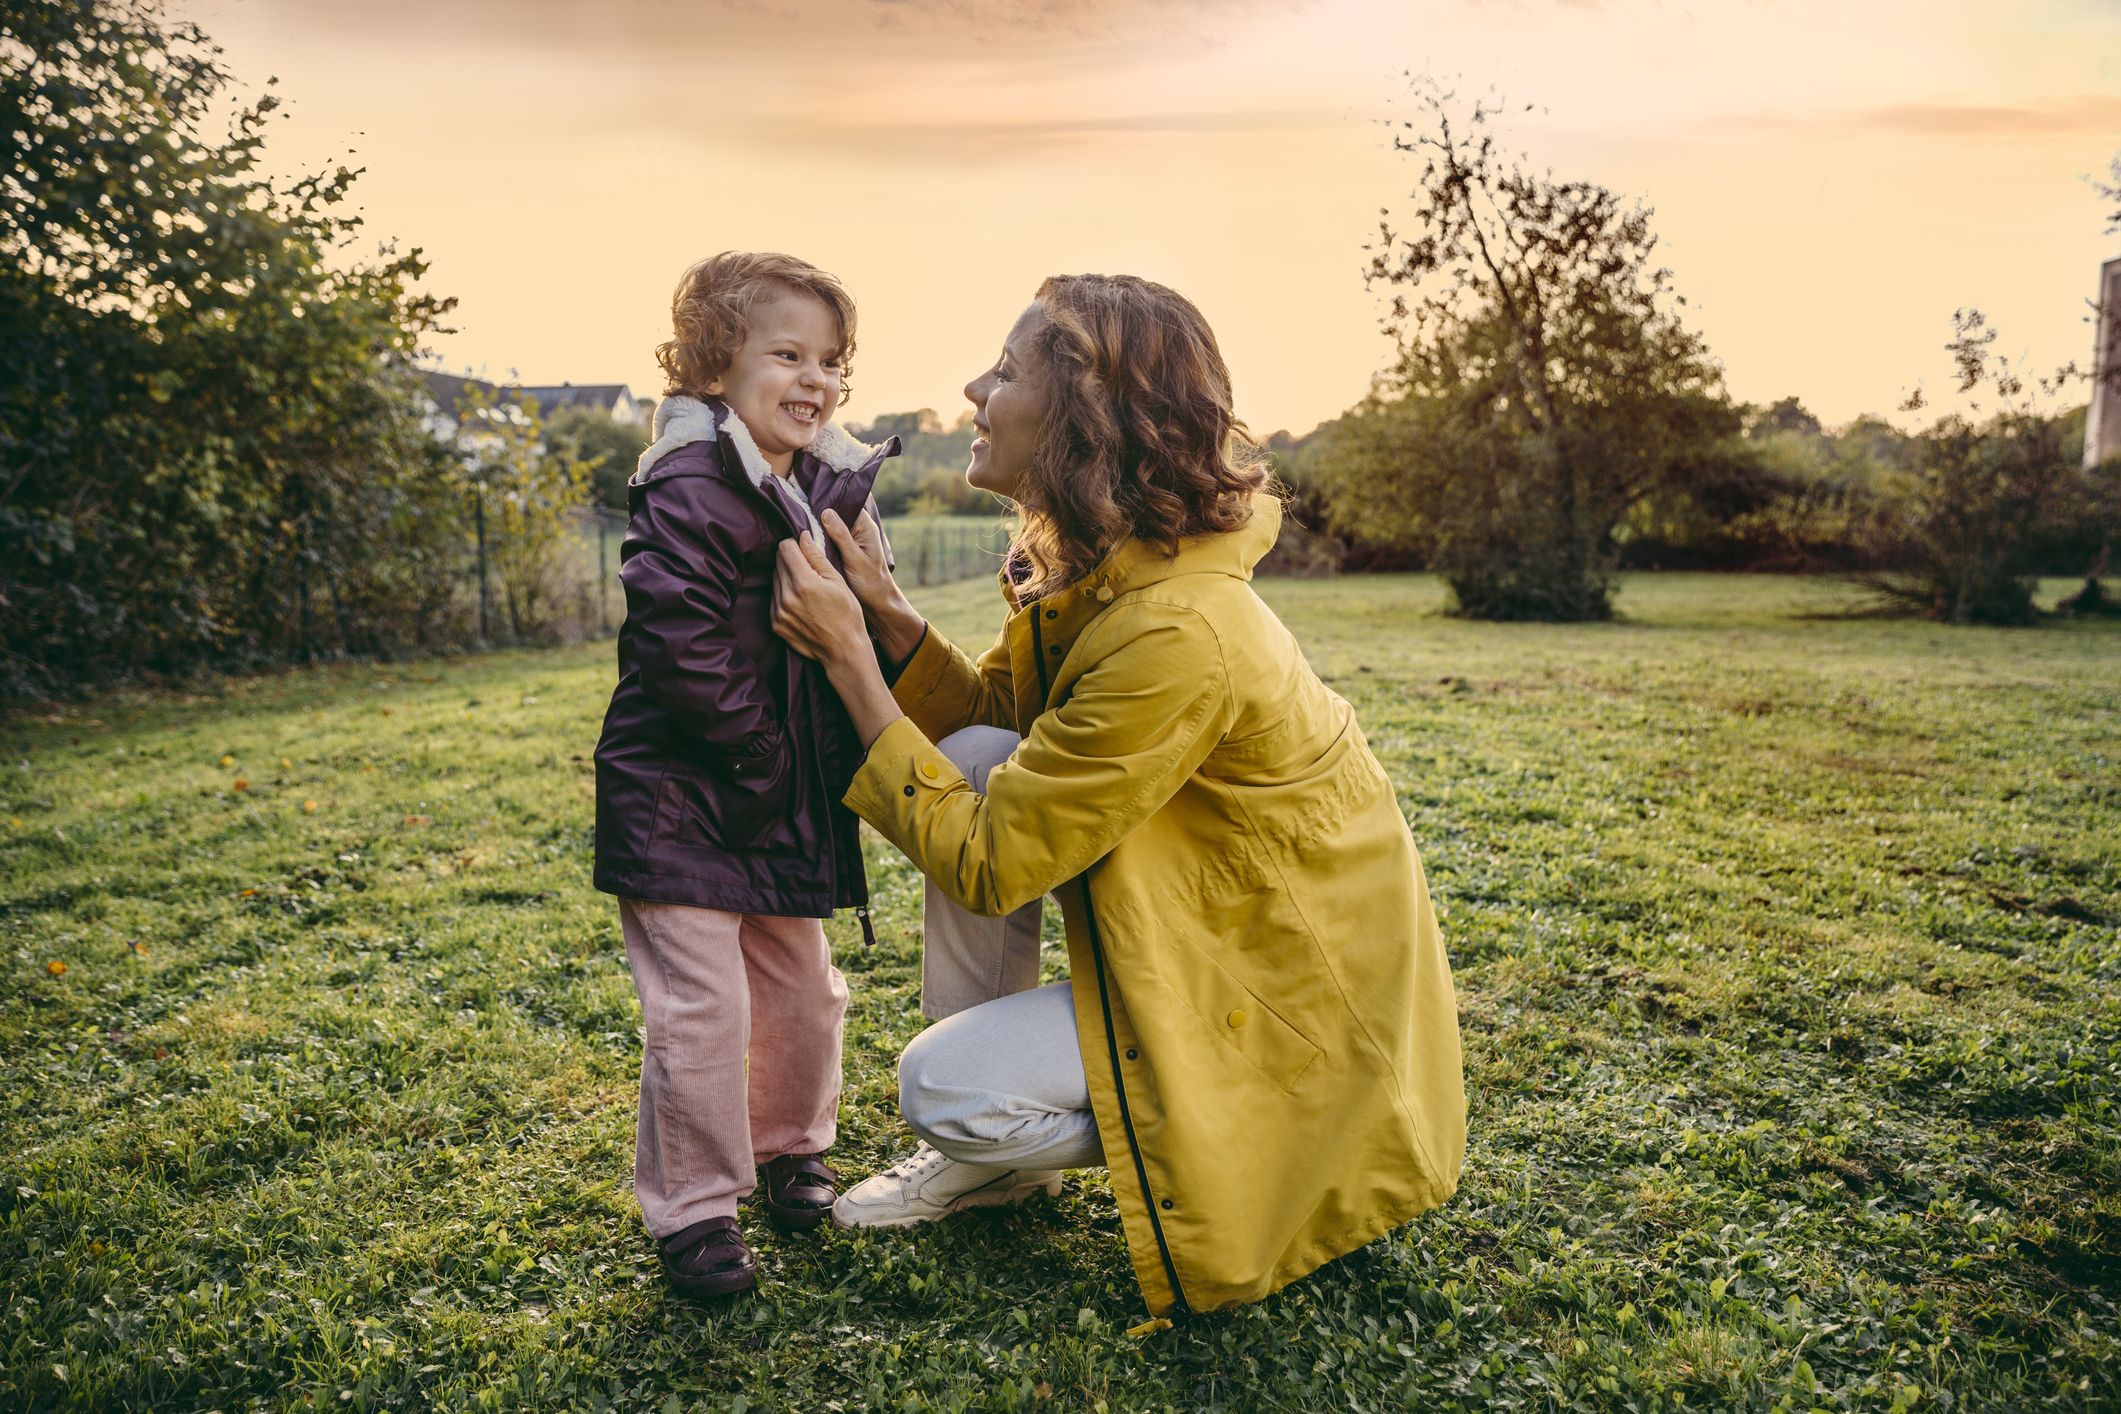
pixel 862 560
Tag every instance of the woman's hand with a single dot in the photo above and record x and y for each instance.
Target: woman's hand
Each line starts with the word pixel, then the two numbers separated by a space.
pixel 813 607
pixel 862 559
pixel 818 615
pixel 897 625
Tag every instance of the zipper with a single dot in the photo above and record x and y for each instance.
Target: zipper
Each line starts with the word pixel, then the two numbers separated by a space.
pixel 1104 1001
pixel 799 684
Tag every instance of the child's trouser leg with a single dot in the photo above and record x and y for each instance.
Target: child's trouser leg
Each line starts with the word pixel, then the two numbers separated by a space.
pixel 967 959
pixel 798 1010
pixel 692 1152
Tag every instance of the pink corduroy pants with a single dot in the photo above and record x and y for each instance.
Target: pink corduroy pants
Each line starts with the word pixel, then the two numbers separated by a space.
pixel 717 988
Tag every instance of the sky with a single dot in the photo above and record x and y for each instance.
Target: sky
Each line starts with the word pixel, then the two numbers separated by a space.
pixel 1830 181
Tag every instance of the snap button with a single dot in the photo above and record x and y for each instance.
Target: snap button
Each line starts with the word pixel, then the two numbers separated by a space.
pixel 1052 613
pixel 909 790
pixel 928 771
pixel 1166 1205
pixel 1133 1055
pixel 1237 1018
pixel 1054 650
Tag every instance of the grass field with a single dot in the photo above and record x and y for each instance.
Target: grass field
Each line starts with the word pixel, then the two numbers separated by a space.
pixel 1788 964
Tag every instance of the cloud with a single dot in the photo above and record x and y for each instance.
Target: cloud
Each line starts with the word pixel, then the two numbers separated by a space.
pixel 779 28
pixel 990 140
pixel 2076 115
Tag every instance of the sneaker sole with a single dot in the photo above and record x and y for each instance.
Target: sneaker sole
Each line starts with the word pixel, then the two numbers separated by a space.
pixel 996 1198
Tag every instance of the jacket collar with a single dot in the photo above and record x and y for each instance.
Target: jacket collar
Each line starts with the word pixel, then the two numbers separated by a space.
pixel 1137 564
pixel 681 421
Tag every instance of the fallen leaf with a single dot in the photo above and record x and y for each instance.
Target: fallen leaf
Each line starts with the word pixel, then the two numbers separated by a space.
pixel 309 807
pixel 56 968
pixel 228 760
pixel 240 784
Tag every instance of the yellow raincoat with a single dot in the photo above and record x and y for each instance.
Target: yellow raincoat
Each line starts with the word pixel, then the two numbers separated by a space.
pixel 1262 998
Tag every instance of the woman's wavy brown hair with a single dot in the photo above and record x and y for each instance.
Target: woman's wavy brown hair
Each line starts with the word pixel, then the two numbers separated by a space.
pixel 1140 438
pixel 708 314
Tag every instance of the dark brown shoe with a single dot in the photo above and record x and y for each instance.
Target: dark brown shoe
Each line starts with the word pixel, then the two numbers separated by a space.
pixel 799 1190
pixel 710 1258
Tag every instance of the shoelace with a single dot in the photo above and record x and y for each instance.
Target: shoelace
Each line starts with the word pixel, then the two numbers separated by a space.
pixel 921 1161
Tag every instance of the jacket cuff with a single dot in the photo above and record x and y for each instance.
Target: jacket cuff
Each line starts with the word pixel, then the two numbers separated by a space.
pixel 902 775
pixel 920 675
pixel 892 670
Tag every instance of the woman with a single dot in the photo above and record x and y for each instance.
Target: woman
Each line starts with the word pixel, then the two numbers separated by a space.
pixel 1259 1039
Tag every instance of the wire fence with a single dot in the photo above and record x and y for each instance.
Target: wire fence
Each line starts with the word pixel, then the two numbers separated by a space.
pixel 928 550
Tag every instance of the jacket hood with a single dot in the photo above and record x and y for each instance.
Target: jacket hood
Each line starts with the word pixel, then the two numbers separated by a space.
pixel 681 421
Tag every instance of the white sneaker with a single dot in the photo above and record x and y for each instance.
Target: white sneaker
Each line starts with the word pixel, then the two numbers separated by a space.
pixel 925 1186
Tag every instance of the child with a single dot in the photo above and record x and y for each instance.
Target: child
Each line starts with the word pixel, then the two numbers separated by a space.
pixel 722 763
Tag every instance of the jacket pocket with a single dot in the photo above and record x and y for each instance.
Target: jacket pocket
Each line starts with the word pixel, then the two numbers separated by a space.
pixel 692 813
pixel 1239 1019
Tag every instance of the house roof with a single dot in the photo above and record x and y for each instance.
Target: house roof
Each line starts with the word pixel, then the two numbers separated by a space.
pixel 448 391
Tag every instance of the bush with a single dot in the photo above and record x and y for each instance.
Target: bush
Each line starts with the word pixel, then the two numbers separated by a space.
pixel 1546 386
pixel 211 445
pixel 1959 534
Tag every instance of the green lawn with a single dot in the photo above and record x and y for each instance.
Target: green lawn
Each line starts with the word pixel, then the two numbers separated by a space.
pixel 1787 954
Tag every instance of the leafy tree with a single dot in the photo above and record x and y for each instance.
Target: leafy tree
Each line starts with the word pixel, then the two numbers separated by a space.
pixel 609 448
pixel 1545 384
pixel 208 435
pixel 529 486
pixel 1957 534
pixel 1785 415
pixel 928 475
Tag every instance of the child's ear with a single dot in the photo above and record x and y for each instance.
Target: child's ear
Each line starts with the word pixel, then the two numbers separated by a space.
pixel 714 389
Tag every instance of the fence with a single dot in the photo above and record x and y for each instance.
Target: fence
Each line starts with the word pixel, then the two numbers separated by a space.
pixel 928 550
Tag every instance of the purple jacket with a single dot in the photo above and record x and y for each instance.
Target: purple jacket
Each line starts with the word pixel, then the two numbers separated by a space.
pixel 725 753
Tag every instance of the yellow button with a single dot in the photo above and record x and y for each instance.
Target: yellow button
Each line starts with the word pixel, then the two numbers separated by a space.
pixel 929 771
pixel 1237 1018
pixel 1104 594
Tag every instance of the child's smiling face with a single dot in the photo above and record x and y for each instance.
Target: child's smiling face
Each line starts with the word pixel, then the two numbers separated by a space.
pixel 785 380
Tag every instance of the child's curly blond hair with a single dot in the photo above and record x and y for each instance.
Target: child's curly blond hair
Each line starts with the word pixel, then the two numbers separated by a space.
pixel 707 314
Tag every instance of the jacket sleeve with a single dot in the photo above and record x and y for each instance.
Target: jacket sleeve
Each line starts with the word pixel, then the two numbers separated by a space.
pixel 681 569
pixel 945 691
pixel 1138 722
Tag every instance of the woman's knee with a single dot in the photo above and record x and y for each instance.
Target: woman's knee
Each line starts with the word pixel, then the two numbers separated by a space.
pixel 977 750
pixel 921 1067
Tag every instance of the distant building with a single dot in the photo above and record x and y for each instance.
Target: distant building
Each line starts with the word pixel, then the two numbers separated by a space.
pixel 611 399
pixel 448 393
pixel 2102 427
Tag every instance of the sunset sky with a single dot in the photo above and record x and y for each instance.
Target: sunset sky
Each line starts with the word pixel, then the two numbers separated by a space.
pixel 1831 180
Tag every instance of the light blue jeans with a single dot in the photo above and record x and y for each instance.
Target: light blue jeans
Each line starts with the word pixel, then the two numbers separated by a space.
pixel 998 1079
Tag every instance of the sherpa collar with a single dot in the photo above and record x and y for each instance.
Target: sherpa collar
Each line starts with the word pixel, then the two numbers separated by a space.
pixel 680 421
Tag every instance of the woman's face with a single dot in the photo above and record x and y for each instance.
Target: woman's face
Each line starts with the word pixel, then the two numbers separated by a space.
pixel 1008 408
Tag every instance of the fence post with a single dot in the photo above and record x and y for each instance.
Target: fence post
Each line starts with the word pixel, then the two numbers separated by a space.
pixel 603 573
pixel 478 517
pixel 301 539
